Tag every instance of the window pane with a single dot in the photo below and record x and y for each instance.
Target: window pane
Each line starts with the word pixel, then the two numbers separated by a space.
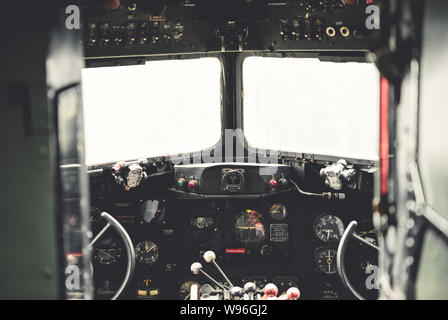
pixel 305 105
pixel 161 108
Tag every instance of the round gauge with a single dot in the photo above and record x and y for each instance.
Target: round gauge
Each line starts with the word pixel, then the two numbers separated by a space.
pixel 249 228
pixel 152 211
pixel 326 260
pixel 148 289
pixel 185 288
pixel 232 180
pixel 328 228
pixel 105 289
pixel 147 252
pixel 278 211
pixel 106 251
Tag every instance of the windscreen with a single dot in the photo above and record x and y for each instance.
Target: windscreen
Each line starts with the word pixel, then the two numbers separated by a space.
pixel 160 108
pixel 308 106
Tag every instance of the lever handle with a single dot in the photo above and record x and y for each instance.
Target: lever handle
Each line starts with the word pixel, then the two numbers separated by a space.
pixel 196 268
pixel 210 257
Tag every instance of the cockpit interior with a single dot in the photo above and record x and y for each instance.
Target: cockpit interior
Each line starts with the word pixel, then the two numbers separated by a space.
pixel 223 150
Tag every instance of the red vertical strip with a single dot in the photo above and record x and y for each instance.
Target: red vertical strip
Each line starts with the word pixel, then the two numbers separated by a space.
pixel 384 135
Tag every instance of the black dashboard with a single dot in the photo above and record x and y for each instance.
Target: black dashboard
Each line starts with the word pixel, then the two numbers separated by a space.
pixel 261 228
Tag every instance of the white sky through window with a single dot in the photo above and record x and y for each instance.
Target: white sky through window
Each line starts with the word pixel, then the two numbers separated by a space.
pixel 310 106
pixel 161 108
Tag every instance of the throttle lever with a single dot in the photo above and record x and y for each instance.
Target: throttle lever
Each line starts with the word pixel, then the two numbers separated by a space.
pixel 196 268
pixel 210 256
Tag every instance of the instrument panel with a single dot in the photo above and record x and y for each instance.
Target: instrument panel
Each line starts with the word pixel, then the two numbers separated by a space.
pixel 136 28
pixel 260 231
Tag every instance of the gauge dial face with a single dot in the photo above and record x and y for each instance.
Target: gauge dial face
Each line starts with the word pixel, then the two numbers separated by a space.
pixel 278 211
pixel 147 252
pixel 249 227
pixel 232 180
pixel 326 260
pixel 152 210
pixel 185 288
pixel 328 228
pixel 106 251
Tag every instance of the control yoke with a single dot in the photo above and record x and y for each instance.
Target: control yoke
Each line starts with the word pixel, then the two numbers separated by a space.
pixel 349 233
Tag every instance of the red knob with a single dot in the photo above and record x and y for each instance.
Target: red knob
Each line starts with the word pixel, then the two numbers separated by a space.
pixel 112 5
pixel 192 184
pixel 270 290
pixel 273 183
pixel 293 293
